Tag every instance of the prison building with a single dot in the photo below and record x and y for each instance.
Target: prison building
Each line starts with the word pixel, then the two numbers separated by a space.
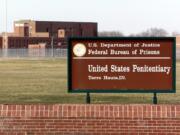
pixel 178 41
pixel 1 42
pixel 28 42
pixel 28 32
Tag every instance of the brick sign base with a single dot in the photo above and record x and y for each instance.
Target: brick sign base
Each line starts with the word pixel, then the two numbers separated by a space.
pixel 79 119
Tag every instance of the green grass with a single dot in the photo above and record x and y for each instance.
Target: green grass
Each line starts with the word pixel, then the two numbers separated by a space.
pixel 27 81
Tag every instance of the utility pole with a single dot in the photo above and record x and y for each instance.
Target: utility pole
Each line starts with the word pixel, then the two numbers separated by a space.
pixel 6 14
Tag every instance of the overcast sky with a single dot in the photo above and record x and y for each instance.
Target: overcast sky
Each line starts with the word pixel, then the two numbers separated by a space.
pixel 127 16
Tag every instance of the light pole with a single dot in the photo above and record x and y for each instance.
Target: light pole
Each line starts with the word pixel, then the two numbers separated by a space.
pixel 5 46
pixel 6 2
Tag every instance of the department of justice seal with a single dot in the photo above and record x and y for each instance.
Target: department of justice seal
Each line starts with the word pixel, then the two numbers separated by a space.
pixel 79 49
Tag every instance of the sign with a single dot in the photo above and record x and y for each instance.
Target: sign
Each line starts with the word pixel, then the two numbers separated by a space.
pixel 131 64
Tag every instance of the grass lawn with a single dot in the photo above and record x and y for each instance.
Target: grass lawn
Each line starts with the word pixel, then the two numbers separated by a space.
pixel 45 81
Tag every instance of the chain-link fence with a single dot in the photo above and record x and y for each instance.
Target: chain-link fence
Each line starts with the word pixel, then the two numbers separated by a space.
pixel 15 53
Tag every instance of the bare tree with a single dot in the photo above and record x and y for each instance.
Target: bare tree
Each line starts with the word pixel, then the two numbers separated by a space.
pixel 110 34
pixel 175 33
pixel 152 32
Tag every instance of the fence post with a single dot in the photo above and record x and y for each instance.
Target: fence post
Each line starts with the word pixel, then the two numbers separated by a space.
pixel 52 45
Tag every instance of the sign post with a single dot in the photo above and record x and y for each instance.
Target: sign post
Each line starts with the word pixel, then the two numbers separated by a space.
pixel 155 98
pixel 122 65
pixel 88 98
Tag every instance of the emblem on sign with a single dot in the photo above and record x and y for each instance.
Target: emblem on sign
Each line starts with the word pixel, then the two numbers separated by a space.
pixel 79 50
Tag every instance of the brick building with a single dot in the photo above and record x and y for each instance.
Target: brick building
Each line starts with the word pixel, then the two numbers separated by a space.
pixel 1 42
pixel 28 33
pixel 178 41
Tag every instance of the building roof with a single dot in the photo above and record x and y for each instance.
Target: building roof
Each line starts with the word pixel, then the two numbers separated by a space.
pixel 23 21
pixel 26 21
